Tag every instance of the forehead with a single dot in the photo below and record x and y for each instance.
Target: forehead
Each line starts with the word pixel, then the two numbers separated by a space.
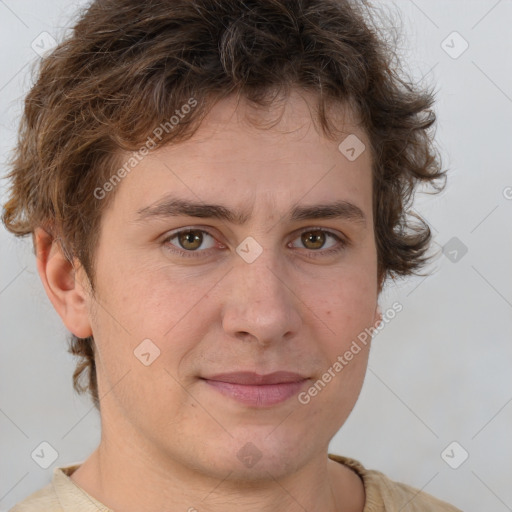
pixel 294 118
pixel 252 156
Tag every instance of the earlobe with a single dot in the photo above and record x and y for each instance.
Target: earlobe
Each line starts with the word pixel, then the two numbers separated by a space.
pixel 61 283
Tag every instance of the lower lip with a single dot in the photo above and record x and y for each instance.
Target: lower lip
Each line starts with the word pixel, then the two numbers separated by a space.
pixel 259 396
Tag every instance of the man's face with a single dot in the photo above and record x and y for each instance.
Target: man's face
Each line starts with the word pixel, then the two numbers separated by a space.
pixel 275 293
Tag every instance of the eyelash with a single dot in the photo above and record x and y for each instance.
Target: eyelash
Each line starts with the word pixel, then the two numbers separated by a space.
pixel 342 243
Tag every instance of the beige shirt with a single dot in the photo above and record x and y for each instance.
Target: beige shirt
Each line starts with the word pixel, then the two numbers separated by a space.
pixel 382 494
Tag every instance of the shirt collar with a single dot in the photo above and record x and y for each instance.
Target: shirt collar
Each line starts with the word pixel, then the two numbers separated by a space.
pixel 72 497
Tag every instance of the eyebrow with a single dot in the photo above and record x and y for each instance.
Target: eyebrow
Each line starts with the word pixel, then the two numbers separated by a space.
pixel 174 207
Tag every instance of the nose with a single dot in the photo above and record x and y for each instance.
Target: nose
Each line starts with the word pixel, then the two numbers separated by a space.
pixel 262 305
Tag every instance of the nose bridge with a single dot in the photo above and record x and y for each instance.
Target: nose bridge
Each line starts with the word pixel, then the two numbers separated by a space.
pixel 264 280
pixel 261 302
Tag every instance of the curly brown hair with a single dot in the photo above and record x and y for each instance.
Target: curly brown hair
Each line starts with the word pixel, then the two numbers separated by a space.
pixel 128 65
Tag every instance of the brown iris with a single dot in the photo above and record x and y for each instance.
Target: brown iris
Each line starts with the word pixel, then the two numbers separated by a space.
pixel 191 239
pixel 315 238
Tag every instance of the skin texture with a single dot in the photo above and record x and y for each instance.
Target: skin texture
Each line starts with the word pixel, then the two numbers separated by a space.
pixel 169 441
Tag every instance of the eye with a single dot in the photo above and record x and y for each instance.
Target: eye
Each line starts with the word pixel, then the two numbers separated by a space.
pixel 188 241
pixel 316 239
pixel 195 242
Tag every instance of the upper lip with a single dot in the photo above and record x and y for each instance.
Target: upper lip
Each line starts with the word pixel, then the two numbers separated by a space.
pixel 254 379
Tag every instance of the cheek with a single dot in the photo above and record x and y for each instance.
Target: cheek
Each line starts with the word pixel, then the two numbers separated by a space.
pixel 347 309
pixel 142 300
pixel 347 300
pixel 148 304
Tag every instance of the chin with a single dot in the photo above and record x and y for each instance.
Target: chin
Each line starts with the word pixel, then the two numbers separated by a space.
pixel 261 453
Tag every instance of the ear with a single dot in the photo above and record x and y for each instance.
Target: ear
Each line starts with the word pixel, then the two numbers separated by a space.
pixel 63 282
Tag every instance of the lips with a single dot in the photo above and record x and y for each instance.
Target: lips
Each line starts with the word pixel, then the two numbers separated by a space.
pixel 256 390
pixel 254 379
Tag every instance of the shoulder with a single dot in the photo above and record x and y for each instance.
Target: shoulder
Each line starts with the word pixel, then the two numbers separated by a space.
pixel 407 498
pixel 384 494
pixel 60 495
pixel 45 499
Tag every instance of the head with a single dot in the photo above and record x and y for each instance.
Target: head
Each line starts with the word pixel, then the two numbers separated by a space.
pixel 151 105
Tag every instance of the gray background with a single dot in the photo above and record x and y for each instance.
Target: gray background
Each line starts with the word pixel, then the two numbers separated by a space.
pixel 439 372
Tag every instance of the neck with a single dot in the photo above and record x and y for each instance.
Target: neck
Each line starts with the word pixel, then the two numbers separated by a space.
pixel 127 479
